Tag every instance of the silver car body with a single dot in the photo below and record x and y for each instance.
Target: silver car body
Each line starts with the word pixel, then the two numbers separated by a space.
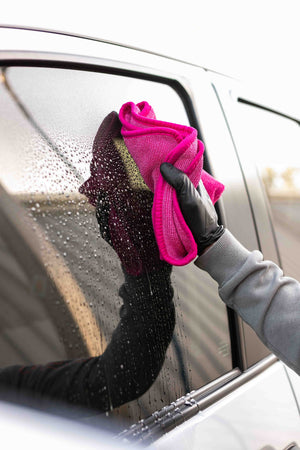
pixel 256 404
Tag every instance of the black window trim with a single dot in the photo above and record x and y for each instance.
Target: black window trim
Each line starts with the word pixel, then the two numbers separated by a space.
pixel 109 69
pixel 265 108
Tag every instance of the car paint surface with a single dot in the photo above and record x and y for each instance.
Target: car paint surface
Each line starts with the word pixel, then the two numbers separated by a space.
pixel 249 418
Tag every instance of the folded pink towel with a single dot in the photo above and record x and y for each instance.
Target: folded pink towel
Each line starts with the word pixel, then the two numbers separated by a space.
pixel 152 142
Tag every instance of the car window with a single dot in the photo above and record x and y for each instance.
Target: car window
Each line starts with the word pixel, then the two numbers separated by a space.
pixel 60 277
pixel 273 141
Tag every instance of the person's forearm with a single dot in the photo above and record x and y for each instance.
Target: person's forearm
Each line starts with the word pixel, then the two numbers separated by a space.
pixel 128 366
pixel 138 346
pixel 259 293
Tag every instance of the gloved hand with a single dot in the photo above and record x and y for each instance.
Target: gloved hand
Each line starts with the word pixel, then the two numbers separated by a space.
pixel 196 207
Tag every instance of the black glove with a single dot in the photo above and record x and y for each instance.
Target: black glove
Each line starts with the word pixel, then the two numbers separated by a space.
pixel 196 207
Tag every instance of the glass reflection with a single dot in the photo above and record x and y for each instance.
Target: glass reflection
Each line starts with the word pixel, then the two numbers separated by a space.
pixel 136 352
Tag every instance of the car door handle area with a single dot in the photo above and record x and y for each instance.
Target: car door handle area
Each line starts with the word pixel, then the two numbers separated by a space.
pixel 291 446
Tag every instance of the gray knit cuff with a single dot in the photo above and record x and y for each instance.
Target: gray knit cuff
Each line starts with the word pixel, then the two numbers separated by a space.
pixel 224 258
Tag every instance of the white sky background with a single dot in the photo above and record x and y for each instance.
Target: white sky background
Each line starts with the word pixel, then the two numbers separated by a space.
pixel 251 39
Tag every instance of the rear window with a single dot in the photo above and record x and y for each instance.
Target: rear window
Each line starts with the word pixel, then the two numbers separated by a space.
pixel 273 141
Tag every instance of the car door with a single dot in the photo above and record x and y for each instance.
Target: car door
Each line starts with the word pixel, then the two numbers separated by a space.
pixel 55 92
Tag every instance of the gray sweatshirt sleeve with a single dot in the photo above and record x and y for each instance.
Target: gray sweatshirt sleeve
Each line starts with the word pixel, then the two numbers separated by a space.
pixel 257 290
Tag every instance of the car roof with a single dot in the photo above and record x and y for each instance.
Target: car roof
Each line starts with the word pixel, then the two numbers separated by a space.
pixel 241 43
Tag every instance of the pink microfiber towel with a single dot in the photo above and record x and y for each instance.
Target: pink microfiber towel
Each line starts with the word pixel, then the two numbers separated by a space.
pixel 152 142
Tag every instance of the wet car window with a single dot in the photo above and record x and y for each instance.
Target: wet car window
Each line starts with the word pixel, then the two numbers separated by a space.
pixel 276 152
pixel 68 261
